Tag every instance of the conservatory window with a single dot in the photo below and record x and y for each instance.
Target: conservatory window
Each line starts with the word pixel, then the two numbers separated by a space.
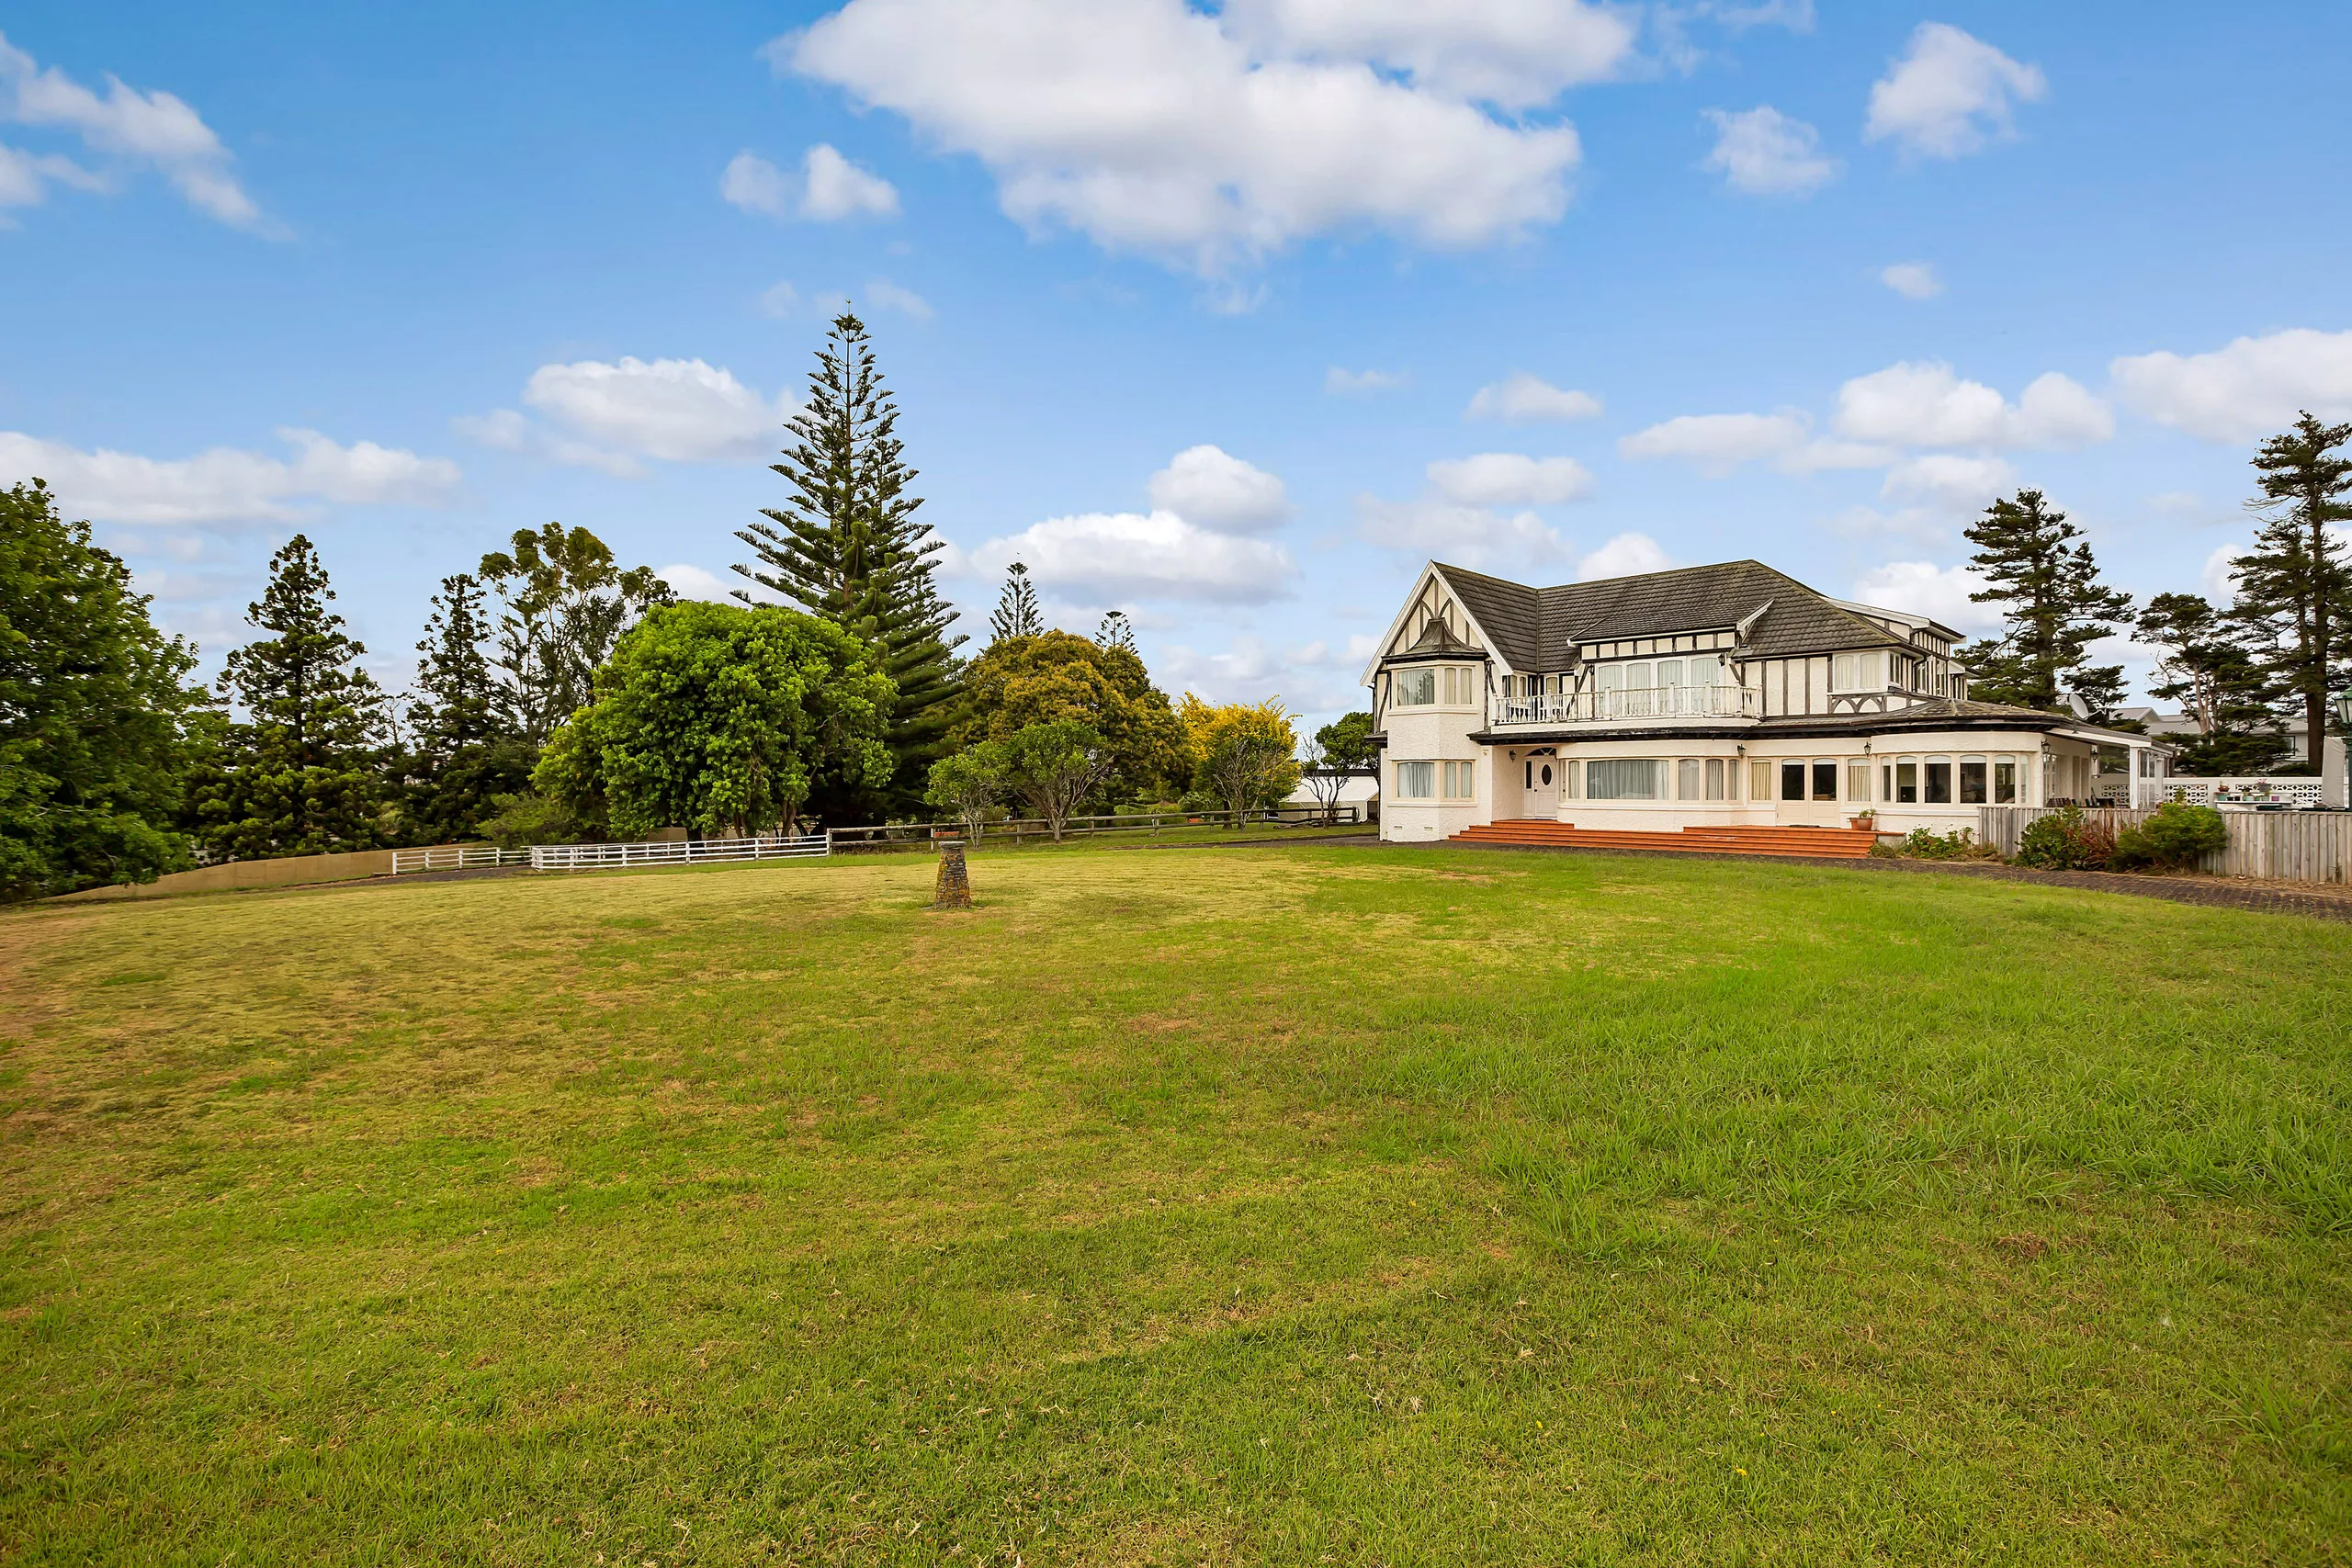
pixel 1717 773
pixel 1825 781
pixel 1686 779
pixel 2005 781
pixel 1907 783
pixel 1793 780
pixel 1939 781
pixel 1858 780
pixel 1972 781
pixel 1759 780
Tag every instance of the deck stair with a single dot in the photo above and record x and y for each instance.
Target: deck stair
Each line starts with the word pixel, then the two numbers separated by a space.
pixel 1845 843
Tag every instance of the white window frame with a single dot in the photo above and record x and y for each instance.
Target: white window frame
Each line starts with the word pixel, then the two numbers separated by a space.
pixel 1428 780
pixel 1458 781
pixel 1404 682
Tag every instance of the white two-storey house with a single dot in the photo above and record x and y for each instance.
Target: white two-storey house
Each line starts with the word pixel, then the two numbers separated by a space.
pixel 1724 695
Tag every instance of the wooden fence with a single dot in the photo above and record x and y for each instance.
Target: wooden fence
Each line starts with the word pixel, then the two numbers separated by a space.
pixel 1020 829
pixel 2288 846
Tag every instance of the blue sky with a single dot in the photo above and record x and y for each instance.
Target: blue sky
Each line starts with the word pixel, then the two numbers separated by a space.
pixel 1227 317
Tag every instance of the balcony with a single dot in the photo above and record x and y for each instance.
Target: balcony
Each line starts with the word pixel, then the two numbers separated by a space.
pixel 1630 705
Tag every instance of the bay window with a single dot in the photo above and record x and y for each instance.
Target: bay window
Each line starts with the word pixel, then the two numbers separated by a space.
pixel 1459 783
pixel 1686 779
pixel 1624 778
pixel 1417 780
pixel 1972 781
pixel 1718 772
pixel 1416 688
pixel 1938 781
pixel 2005 781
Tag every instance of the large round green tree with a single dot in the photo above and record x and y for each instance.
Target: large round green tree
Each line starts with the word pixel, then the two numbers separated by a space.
pixel 93 711
pixel 724 721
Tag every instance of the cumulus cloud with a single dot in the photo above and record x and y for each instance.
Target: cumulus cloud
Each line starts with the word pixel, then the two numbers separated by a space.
pixel 1949 481
pixel 1924 404
pixel 1339 383
pixel 679 411
pixel 828 190
pixel 1150 127
pixel 154 130
pixel 1912 280
pixel 226 485
pixel 1209 485
pixel 1627 555
pixel 1924 587
pixel 1470 536
pixel 1508 478
pixel 1513 53
pixel 2252 388
pixel 1716 444
pixel 889 295
pixel 1950 94
pixel 1764 152
pixel 1158 555
pixel 1522 398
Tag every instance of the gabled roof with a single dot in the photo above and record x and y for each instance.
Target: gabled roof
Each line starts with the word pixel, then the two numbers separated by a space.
pixel 1538 628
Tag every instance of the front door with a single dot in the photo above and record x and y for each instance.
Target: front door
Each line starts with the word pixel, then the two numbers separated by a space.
pixel 1540 787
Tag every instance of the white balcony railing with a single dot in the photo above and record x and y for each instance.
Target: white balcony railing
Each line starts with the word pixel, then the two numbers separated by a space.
pixel 1632 703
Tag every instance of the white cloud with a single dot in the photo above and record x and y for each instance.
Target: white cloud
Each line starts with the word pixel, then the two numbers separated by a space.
pixel 1764 152
pixel 889 295
pixel 225 485
pixel 1514 53
pixel 779 299
pixel 1912 280
pixel 1794 15
pixel 1925 589
pixel 1469 536
pixel 1923 525
pixel 1341 383
pixel 680 410
pixel 2218 578
pixel 152 129
pixel 1148 127
pixel 690 582
pixel 1129 555
pixel 834 188
pixel 830 187
pixel 1950 94
pixel 1209 485
pixel 2253 388
pixel 1519 399
pixel 1924 405
pixel 25 177
pixel 1715 444
pixel 1627 555
pixel 1508 478
pixel 1949 481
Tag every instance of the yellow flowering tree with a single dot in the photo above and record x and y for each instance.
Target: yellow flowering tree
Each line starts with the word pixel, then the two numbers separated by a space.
pixel 1244 753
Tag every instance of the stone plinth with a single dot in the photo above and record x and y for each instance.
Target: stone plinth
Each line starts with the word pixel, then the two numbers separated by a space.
pixel 955 888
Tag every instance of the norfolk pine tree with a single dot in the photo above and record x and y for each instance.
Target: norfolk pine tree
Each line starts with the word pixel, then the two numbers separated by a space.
pixel 2294 588
pixel 2203 664
pixel 2042 573
pixel 848 547
pixel 466 745
pixel 1016 610
pixel 299 775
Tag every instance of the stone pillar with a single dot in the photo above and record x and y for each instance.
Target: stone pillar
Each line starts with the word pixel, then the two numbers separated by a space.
pixel 954 890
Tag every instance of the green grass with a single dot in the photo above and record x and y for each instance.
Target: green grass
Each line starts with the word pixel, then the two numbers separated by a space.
pixel 1303 1205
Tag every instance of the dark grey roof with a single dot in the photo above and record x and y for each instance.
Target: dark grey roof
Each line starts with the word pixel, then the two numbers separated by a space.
pixel 1539 628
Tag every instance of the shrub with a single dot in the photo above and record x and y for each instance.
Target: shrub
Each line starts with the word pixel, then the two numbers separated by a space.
pixel 2067 840
pixel 2177 836
pixel 1921 844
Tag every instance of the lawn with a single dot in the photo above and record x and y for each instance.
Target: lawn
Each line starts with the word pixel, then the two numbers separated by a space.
pixel 1294 1205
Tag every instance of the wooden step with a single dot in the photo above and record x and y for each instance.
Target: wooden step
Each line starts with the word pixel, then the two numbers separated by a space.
pixel 1846 844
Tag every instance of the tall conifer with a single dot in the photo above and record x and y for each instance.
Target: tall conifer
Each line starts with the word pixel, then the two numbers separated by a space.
pixel 2039 569
pixel 2294 588
pixel 847 546
pixel 1016 608
pixel 299 774
pixel 464 736
pixel 1117 631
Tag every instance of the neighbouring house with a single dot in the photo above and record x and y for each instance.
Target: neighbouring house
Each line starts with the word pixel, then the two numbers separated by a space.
pixel 1357 786
pixel 1729 696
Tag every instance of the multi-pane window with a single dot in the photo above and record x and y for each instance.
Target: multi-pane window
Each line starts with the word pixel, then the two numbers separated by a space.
pixel 1416 688
pixel 1856 671
pixel 1458 781
pixel 2004 782
pixel 1624 778
pixel 1687 775
pixel 1416 781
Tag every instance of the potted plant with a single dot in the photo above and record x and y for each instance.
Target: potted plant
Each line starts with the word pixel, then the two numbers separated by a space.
pixel 1865 821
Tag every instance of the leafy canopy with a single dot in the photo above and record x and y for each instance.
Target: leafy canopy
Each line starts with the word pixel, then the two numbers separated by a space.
pixel 93 711
pixel 565 602
pixel 1242 753
pixel 724 719
pixel 1054 676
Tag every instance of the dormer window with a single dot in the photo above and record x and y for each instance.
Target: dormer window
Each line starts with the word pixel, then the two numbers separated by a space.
pixel 1858 672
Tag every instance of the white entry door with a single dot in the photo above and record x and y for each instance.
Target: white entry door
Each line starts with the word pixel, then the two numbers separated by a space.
pixel 1540 786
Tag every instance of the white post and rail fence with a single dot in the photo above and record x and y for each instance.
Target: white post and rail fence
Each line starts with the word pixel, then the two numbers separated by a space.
pixel 843 840
pixel 2285 846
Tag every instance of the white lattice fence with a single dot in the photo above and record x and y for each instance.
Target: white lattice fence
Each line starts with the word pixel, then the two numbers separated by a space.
pixel 2288 846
